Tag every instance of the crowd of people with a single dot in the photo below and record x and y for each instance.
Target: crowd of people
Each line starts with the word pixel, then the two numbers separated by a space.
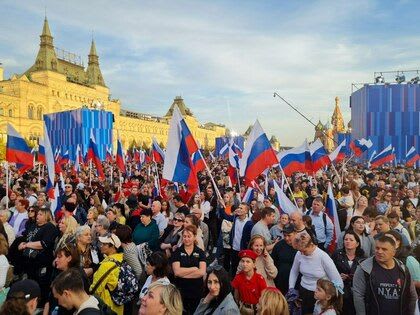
pixel 121 246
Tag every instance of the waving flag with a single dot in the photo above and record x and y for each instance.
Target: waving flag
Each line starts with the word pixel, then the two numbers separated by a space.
pixel 236 149
pixel 360 146
pixel 56 200
pixel 157 153
pixel 296 160
pixel 412 157
pixel 50 162
pixel 233 165
pixel 41 153
pixel 371 157
pixel 178 166
pixel 109 158
pixel 285 205
pixel 385 156
pixel 258 154
pixel 339 153
pixel 319 156
pixel 17 151
pixel 93 155
pixel 119 159
pixel 331 212
pixel 198 161
pixel 224 151
pixel 249 195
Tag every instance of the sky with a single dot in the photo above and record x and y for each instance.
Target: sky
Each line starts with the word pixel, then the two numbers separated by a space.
pixel 225 58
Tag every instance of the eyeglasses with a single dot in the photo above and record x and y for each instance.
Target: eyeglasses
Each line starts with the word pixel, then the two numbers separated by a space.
pixel 178 220
pixel 31 210
pixel 213 268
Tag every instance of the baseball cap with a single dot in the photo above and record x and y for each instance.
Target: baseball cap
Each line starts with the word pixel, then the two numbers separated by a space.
pixel 29 288
pixel 110 239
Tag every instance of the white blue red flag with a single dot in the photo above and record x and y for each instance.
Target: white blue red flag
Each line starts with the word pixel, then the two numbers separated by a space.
pixel 319 155
pixel 178 166
pixel 157 153
pixel 385 156
pixel 360 145
pixel 257 155
pixel 41 153
pixel 198 161
pixel 224 151
pixel 249 195
pixel 109 158
pixel 17 151
pixel 331 212
pixel 339 153
pixel 119 159
pixel 93 155
pixel 411 157
pixel 296 160
pixel 233 165
pixel 56 200
pixel 285 205
pixel 50 162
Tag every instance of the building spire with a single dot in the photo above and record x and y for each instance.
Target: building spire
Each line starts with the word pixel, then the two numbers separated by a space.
pixel 93 70
pixel 337 120
pixel 46 29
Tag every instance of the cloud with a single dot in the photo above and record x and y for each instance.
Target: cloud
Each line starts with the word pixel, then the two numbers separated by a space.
pixel 220 53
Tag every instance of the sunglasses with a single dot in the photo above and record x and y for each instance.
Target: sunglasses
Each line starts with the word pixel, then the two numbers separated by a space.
pixel 213 268
pixel 178 220
pixel 31 210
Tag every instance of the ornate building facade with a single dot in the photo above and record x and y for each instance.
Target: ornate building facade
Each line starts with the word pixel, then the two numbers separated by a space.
pixel 58 81
pixel 328 132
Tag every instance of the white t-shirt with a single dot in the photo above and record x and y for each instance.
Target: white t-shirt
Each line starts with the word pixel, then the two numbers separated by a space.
pixel 4 267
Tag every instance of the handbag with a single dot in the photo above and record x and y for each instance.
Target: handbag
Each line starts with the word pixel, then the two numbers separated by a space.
pixel 31 253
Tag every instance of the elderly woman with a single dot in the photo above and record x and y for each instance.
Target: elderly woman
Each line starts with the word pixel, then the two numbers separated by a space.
pixel 161 299
pixel 4 218
pixel 147 230
pixel 312 263
pixel 89 259
pixel 171 235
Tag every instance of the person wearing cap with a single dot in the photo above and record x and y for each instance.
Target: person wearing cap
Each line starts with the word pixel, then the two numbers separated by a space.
pixel 22 298
pixel 248 284
pixel 283 255
pixel 147 230
pixel 102 287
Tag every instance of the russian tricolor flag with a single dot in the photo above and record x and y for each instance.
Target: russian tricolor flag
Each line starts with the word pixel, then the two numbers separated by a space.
pixel 119 159
pixel 17 151
pixel 178 166
pixel 339 153
pixel 331 212
pixel 360 146
pixel 157 153
pixel 109 158
pixel 233 164
pixel 319 156
pixel 198 161
pixel 412 157
pixel 257 155
pixel 224 151
pixel 286 206
pixel 385 156
pixel 41 153
pixel 93 155
pixel 50 162
pixel 249 195
pixel 296 160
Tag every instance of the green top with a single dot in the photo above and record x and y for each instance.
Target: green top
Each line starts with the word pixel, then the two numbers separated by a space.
pixel 147 234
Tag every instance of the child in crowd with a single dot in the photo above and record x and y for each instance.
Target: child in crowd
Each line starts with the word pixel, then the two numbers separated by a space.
pixel 329 298
pixel 248 284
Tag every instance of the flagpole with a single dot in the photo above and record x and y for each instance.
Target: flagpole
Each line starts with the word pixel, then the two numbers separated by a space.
pixel 90 173
pixel 39 176
pixel 112 173
pixel 7 185
pixel 288 186
pixel 157 174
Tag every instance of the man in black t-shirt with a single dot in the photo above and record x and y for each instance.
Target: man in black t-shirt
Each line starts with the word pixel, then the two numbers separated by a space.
pixel 182 208
pixel 382 284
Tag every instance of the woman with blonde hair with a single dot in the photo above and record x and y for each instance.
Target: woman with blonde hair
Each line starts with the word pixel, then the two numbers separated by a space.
pixel 272 302
pixel 264 263
pixel 161 299
pixel 67 227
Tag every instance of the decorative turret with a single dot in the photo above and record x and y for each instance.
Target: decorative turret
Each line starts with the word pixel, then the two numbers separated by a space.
pixel 337 118
pixel 46 58
pixel 319 126
pixel 179 101
pixel 93 72
pixel 275 143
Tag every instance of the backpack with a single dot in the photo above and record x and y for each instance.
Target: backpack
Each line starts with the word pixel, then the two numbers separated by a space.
pixel 127 286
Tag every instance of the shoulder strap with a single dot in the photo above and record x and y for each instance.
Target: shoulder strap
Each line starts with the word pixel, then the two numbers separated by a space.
pixel 102 279
pixel 324 219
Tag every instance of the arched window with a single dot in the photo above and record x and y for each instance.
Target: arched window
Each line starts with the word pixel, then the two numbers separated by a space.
pixel 1 111
pixel 39 113
pixel 10 112
pixel 30 112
